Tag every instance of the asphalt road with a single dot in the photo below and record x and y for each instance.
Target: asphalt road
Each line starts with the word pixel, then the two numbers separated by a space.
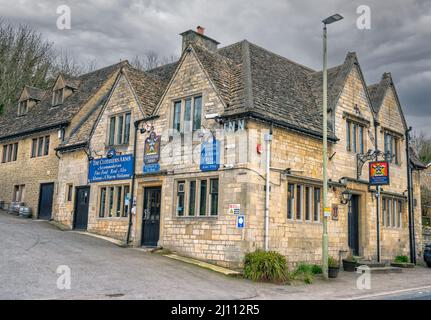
pixel 31 253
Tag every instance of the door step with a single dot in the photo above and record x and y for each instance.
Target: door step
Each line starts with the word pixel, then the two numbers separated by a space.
pixel 371 264
pixel 385 270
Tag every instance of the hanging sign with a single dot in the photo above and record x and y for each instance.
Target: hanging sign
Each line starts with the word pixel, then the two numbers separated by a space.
pixel 110 169
pixel 152 149
pixel 240 222
pixel 379 173
pixel 210 155
pixel 152 153
pixel 234 208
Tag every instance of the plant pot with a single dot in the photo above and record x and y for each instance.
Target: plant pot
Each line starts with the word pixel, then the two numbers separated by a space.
pixel 333 272
pixel 349 266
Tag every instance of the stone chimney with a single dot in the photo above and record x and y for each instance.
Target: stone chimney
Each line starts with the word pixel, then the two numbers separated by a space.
pixel 198 37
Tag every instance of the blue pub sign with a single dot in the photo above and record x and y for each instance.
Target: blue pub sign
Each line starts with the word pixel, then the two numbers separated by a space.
pixel 111 169
pixel 210 155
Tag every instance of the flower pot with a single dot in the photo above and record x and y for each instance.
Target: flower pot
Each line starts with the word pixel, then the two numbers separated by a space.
pixel 349 266
pixel 333 272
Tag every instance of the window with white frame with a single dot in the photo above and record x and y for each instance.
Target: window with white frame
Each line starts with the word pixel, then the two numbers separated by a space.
pixel 22 107
pixel 355 141
pixel 114 201
pixel 392 212
pixel 187 114
pixel 40 147
pixel 197 197
pixel 303 202
pixel 392 145
pixel 119 129
pixel 10 152
pixel 18 193
pixel 57 97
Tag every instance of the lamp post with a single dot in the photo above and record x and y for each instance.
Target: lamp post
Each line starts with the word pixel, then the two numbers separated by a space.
pixel 329 20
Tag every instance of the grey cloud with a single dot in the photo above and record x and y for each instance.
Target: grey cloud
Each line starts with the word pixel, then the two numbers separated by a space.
pixel 111 30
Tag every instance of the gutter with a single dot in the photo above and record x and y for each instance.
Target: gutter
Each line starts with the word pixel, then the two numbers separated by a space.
pixel 30 132
pixel 410 200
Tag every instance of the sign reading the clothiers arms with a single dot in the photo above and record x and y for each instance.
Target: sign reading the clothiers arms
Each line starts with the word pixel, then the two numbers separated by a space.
pixel 152 153
pixel 110 169
pixel 379 173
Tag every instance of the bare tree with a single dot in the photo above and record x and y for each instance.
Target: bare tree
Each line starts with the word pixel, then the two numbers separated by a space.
pixel 422 146
pixel 151 60
pixel 25 58
pixel 66 63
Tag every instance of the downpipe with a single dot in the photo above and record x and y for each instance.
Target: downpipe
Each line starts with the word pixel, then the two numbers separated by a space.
pixel 268 140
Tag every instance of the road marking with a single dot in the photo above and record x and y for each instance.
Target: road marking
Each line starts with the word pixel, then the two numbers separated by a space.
pixel 388 293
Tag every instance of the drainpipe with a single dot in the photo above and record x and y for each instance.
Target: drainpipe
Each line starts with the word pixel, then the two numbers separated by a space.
pixel 268 139
pixel 377 196
pixel 132 194
pixel 410 201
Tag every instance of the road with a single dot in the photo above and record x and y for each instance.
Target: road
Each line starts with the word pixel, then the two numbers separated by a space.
pixel 31 253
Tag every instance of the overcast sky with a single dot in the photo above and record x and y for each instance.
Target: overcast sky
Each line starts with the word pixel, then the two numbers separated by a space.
pixel 399 40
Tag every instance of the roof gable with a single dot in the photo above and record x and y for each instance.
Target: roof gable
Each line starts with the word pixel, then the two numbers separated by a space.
pixel 379 92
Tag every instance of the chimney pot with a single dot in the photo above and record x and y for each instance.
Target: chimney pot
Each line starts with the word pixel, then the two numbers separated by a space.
pixel 200 30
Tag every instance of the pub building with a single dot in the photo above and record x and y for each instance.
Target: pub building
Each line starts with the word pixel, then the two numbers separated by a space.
pixel 176 157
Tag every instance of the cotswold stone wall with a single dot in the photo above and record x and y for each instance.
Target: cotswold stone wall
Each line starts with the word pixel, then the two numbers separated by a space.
pixel 122 100
pixel 73 170
pixel 31 172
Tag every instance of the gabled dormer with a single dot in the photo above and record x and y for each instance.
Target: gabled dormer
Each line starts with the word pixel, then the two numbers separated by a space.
pixel 29 97
pixel 64 86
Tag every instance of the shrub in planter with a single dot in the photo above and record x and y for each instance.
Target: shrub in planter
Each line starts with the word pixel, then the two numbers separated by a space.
pixel 306 272
pixel 266 266
pixel 350 264
pixel 333 268
pixel 401 259
pixel 402 262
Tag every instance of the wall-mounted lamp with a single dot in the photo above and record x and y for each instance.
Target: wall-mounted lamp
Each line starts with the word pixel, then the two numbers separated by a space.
pixel 346 196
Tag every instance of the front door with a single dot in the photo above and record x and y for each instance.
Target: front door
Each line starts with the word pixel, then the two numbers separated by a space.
pixel 151 216
pixel 354 225
pixel 81 208
pixel 45 201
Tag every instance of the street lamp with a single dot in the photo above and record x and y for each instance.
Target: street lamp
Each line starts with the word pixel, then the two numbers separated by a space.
pixel 326 210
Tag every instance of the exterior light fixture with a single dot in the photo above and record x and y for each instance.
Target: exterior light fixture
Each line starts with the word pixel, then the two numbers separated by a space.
pixel 346 196
pixel 334 18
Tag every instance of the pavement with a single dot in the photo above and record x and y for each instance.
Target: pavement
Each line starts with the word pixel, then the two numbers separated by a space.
pixel 32 252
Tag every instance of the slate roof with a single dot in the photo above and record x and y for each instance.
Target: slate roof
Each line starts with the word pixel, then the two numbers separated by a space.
pixel 252 80
pixel 35 93
pixel 44 116
pixel 378 91
pixel 416 162
pixel 148 89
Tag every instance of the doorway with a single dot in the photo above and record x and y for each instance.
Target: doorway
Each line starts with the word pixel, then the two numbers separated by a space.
pixel 82 200
pixel 151 216
pixel 353 225
pixel 45 201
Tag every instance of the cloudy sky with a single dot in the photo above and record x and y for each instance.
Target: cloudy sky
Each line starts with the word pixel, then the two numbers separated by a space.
pixel 399 40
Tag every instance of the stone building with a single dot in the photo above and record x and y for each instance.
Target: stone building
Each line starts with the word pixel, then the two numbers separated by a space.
pixel 31 129
pixel 188 141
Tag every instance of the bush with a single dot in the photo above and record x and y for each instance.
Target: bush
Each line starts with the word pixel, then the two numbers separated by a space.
pixel 306 272
pixel 266 266
pixel 402 259
pixel 333 263
pixel 351 258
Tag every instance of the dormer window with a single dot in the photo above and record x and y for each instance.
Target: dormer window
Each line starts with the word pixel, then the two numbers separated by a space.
pixel 57 97
pixel 22 107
